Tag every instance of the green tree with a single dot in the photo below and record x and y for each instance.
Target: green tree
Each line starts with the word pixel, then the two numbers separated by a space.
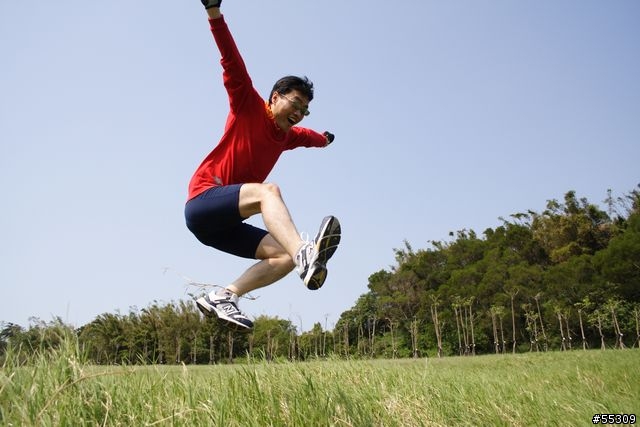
pixel 619 263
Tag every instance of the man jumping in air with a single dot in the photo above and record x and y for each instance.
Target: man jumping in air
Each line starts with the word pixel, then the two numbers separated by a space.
pixel 228 187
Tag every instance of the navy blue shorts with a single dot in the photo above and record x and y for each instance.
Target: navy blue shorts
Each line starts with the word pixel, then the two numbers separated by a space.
pixel 214 218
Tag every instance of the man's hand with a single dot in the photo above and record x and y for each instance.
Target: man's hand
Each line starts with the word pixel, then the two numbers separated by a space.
pixel 208 4
pixel 330 137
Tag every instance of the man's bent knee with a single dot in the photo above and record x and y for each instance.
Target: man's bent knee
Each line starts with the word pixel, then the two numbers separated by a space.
pixel 253 195
pixel 271 189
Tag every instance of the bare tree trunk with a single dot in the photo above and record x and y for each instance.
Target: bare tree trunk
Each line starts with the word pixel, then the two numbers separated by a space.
pixel 333 340
pixel 250 341
pixel 465 328
pixel 346 339
pixel 230 343
pixel 602 345
pixel 455 311
pixel 504 341
pixel 324 343
pixel 535 333
pixel 194 352
pixel 513 319
pixel 436 325
pixel 544 334
pixel 361 349
pixel 324 337
pixel 473 336
pixel 211 350
pixel 495 331
pixel 618 331
pixel 636 313
pixel 532 327
pixel 393 340
pixel 566 322
pixel 563 345
pixel 584 339
pixel 373 337
pixel 414 337
pixel 292 346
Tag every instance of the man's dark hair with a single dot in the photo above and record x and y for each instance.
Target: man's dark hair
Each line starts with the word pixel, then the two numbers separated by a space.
pixel 289 83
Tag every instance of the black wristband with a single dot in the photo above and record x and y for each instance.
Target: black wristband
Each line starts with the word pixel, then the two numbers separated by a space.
pixel 208 4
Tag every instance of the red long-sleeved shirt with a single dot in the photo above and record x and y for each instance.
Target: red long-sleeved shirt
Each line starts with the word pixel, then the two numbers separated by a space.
pixel 251 143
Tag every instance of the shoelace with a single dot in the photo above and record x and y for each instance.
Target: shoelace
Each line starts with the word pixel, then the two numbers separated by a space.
pixel 307 246
pixel 305 237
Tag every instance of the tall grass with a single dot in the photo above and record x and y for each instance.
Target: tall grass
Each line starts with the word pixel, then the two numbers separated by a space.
pixel 56 387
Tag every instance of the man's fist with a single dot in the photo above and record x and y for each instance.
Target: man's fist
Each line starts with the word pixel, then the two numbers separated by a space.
pixel 208 4
pixel 330 137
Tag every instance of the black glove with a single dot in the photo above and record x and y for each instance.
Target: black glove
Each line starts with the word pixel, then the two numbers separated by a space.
pixel 208 4
pixel 330 137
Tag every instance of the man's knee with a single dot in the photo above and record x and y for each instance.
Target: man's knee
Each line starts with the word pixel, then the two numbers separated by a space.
pixel 256 193
pixel 252 197
pixel 271 189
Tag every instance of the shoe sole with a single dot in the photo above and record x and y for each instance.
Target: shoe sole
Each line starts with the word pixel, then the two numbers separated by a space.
pixel 327 241
pixel 203 309
pixel 328 238
pixel 317 277
pixel 209 310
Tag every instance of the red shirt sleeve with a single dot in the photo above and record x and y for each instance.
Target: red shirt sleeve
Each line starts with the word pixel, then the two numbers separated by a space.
pixel 304 137
pixel 235 76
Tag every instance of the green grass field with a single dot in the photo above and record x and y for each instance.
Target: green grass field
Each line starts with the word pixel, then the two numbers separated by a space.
pixel 559 388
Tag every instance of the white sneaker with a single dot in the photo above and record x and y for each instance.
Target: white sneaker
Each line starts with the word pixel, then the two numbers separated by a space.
pixel 224 306
pixel 313 256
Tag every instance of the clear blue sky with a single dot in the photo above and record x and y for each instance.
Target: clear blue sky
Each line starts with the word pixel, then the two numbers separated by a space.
pixel 447 115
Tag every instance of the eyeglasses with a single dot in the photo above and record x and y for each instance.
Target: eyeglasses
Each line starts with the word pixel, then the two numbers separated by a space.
pixel 296 105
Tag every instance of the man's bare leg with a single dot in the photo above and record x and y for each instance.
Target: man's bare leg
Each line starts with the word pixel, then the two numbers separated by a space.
pixel 277 249
pixel 274 265
pixel 267 200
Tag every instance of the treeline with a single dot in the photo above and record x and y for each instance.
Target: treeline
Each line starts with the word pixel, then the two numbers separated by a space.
pixel 566 278
pixel 170 333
